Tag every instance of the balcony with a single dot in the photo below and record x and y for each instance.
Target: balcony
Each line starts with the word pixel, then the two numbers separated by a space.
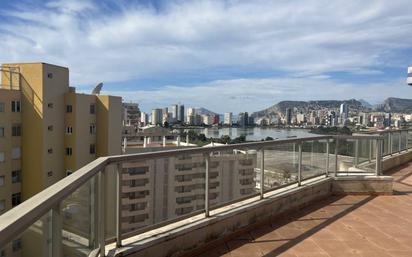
pixel 301 192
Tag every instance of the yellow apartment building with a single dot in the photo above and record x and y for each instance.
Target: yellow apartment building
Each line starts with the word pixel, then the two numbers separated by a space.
pixel 47 131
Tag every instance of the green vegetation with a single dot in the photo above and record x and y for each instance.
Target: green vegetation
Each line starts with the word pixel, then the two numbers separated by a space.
pixel 331 130
pixel 201 139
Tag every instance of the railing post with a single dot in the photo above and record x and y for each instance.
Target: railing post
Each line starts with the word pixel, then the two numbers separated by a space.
pixel 400 141
pixel 378 158
pixel 56 231
pixel 336 156
pixel 370 150
pixel 119 205
pixel 262 173
pixel 300 164
pixel 94 221
pixel 356 152
pixel 327 158
pixel 101 213
pixel 390 146
pixel 207 159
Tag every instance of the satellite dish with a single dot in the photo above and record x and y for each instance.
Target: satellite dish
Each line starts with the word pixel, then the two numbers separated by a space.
pixel 97 89
pixel 409 79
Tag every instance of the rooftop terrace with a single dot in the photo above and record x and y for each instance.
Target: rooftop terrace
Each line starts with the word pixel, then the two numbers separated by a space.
pixel 290 197
pixel 361 225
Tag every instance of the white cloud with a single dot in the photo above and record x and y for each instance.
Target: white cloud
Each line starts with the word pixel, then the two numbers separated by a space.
pixel 300 38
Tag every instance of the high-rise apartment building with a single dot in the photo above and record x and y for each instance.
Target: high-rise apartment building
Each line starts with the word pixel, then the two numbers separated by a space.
pixel 131 114
pixel 288 116
pixel 181 113
pixel 157 116
pixel 144 119
pixel 228 118
pixel 159 189
pixel 175 109
pixel 409 79
pixel 47 130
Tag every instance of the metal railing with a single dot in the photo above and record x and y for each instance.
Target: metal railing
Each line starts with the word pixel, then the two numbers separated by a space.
pixel 100 187
pixel 394 140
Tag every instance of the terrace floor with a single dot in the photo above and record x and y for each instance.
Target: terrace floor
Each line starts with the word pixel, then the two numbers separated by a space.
pixel 337 226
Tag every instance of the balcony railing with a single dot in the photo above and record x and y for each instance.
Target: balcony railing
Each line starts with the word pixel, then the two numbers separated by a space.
pixel 394 141
pixel 82 213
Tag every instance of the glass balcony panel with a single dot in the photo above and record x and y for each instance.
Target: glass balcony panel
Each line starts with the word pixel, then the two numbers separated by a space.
pixel 386 144
pixel 404 140
pixel 34 241
pixel 79 220
pixel 281 165
pixel 395 142
pixel 313 158
pixel 161 189
pixel 233 175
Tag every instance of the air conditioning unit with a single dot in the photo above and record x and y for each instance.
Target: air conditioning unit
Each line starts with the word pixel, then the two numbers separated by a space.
pixel 409 79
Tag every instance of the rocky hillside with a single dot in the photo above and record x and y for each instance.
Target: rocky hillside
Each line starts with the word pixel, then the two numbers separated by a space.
pixel 395 105
pixel 204 111
pixel 280 108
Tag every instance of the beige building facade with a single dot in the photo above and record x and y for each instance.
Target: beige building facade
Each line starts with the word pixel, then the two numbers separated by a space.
pixel 47 131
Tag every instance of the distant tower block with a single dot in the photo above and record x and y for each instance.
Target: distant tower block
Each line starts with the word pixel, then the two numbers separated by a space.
pixel 409 79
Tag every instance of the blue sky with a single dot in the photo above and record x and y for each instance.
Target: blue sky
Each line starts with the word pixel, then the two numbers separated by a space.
pixel 229 55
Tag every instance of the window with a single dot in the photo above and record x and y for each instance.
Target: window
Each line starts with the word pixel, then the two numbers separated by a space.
pixel 92 149
pixel 68 172
pixel 92 129
pixel 2 205
pixel 1 131
pixel 50 105
pixel 50 75
pixel 69 108
pixel 92 109
pixel 16 153
pixel 15 106
pixel 1 157
pixel 16 176
pixel 1 107
pixel 69 130
pixel 69 151
pixel 50 173
pixel 16 245
pixel 16 130
pixel 2 180
pixel 15 199
pixel 50 150
pixel 50 128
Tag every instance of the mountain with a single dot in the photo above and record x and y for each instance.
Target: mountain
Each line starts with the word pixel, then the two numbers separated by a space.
pixel 365 103
pixel 280 108
pixel 396 105
pixel 204 111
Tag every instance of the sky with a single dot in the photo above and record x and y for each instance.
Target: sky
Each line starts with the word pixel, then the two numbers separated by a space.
pixel 231 55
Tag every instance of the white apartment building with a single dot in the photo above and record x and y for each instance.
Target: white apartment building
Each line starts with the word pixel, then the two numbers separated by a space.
pixel 159 189
pixel 228 117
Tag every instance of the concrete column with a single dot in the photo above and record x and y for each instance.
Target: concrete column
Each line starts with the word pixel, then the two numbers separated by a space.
pixel 149 139
pixel 187 139
pixel 178 140
pixel 164 141
pixel 144 142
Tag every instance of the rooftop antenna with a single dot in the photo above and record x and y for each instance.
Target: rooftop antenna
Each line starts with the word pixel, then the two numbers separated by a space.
pixel 97 89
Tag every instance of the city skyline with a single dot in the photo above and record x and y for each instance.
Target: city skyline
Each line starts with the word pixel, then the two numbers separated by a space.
pixel 194 52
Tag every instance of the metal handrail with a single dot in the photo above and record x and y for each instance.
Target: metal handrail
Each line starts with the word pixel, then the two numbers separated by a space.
pixel 19 218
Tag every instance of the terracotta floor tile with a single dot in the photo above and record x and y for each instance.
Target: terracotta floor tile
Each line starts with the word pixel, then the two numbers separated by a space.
pixel 355 225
